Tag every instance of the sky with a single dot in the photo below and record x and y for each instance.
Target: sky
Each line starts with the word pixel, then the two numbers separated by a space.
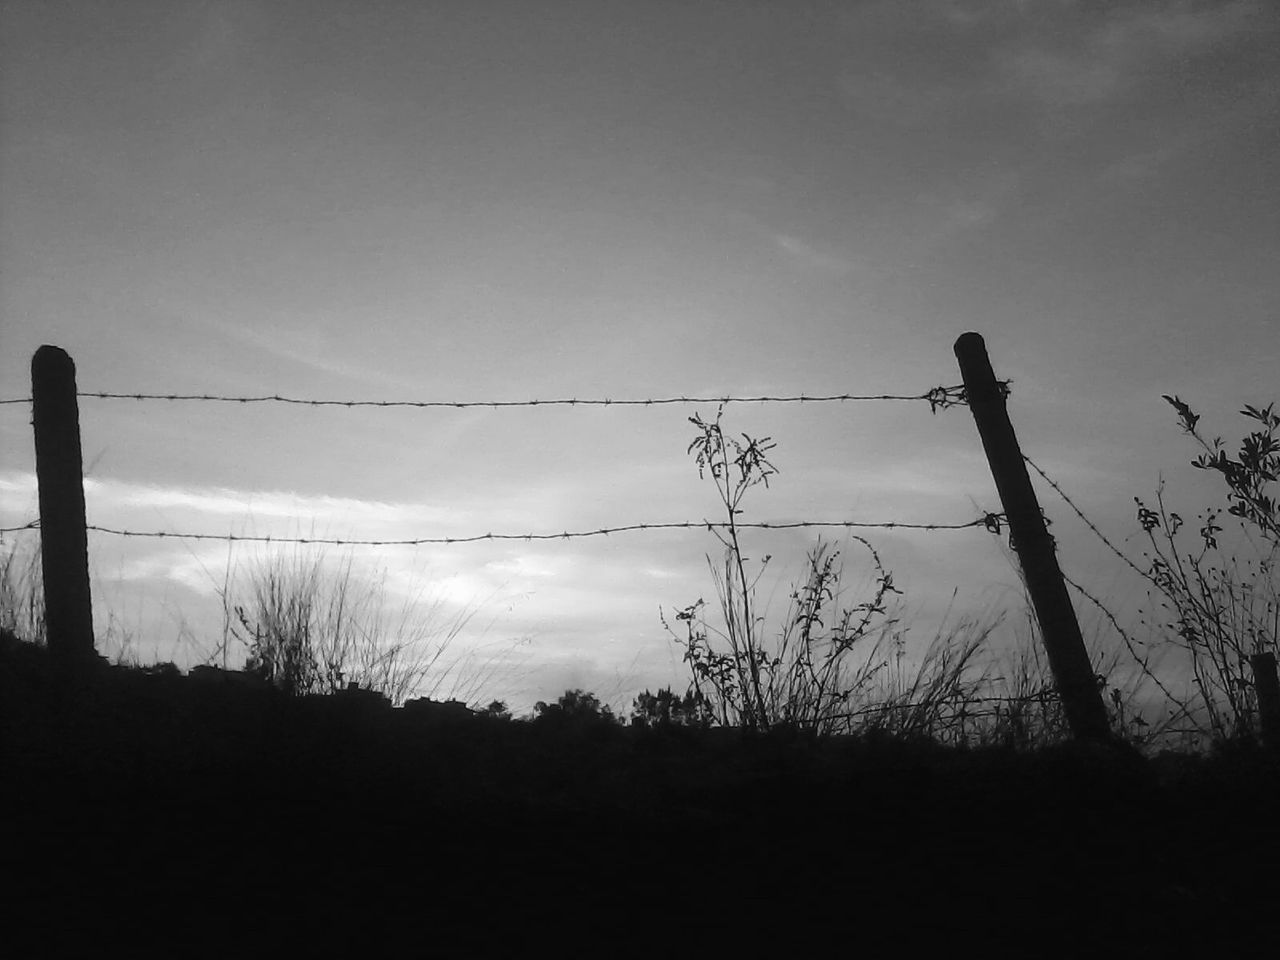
pixel 511 201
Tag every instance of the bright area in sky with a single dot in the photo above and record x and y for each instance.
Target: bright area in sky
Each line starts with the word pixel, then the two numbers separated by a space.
pixel 510 201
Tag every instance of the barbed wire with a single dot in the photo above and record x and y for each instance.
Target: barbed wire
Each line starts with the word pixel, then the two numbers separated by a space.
pixel 1131 643
pixel 990 520
pixel 1089 523
pixel 938 398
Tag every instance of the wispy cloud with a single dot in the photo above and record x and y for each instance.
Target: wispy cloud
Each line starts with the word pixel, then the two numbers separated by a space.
pixel 307 346
pixel 1104 59
pixel 16 486
pixel 884 96
pixel 212 40
pixel 1142 164
pixel 811 257
pixel 1054 55
pixel 1063 79
pixel 113 501
pixel 977 198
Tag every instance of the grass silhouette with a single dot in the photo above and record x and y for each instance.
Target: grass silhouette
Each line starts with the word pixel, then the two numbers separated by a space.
pixel 308 628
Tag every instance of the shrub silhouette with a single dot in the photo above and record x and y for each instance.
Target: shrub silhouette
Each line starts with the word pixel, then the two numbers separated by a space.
pixel 573 708
pixel 1217 609
pixel 668 709
pixel 497 710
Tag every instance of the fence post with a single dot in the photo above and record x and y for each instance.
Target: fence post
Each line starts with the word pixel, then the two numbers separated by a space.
pixel 1068 658
pixel 1267 688
pixel 64 547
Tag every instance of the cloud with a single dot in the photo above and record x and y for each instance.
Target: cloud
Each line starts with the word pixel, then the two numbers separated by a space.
pixel 306 345
pixel 1175 28
pixel 1051 55
pixel 1102 60
pixel 17 487
pixel 808 256
pixel 657 573
pixel 909 103
pixel 975 199
pixel 320 511
pixel 969 213
pixel 1063 79
pixel 216 38
pixel 116 501
pixel 1142 164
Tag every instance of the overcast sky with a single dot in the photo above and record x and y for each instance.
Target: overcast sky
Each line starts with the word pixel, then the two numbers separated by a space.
pixel 492 201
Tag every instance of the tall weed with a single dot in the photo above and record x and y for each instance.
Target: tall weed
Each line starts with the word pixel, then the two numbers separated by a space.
pixel 809 674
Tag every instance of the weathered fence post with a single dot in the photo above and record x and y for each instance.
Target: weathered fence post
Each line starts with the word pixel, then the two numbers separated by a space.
pixel 64 547
pixel 1068 658
pixel 1267 688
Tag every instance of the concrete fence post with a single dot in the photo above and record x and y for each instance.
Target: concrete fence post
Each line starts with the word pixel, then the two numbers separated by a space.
pixel 64 547
pixel 1068 658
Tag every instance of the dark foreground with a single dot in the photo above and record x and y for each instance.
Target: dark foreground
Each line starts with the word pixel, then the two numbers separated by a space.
pixel 157 814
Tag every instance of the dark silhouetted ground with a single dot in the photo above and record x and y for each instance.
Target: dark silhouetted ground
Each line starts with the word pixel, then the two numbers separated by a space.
pixel 145 810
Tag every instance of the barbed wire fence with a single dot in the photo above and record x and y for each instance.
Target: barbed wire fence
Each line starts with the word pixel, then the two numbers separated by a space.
pixel 1262 665
pixel 64 526
pixel 938 398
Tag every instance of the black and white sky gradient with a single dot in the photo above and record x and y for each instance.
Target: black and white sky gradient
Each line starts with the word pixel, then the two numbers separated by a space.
pixel 484 200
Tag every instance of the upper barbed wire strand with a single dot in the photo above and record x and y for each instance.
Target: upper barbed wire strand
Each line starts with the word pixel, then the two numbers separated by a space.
pixel 989 520
pixel 938 398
